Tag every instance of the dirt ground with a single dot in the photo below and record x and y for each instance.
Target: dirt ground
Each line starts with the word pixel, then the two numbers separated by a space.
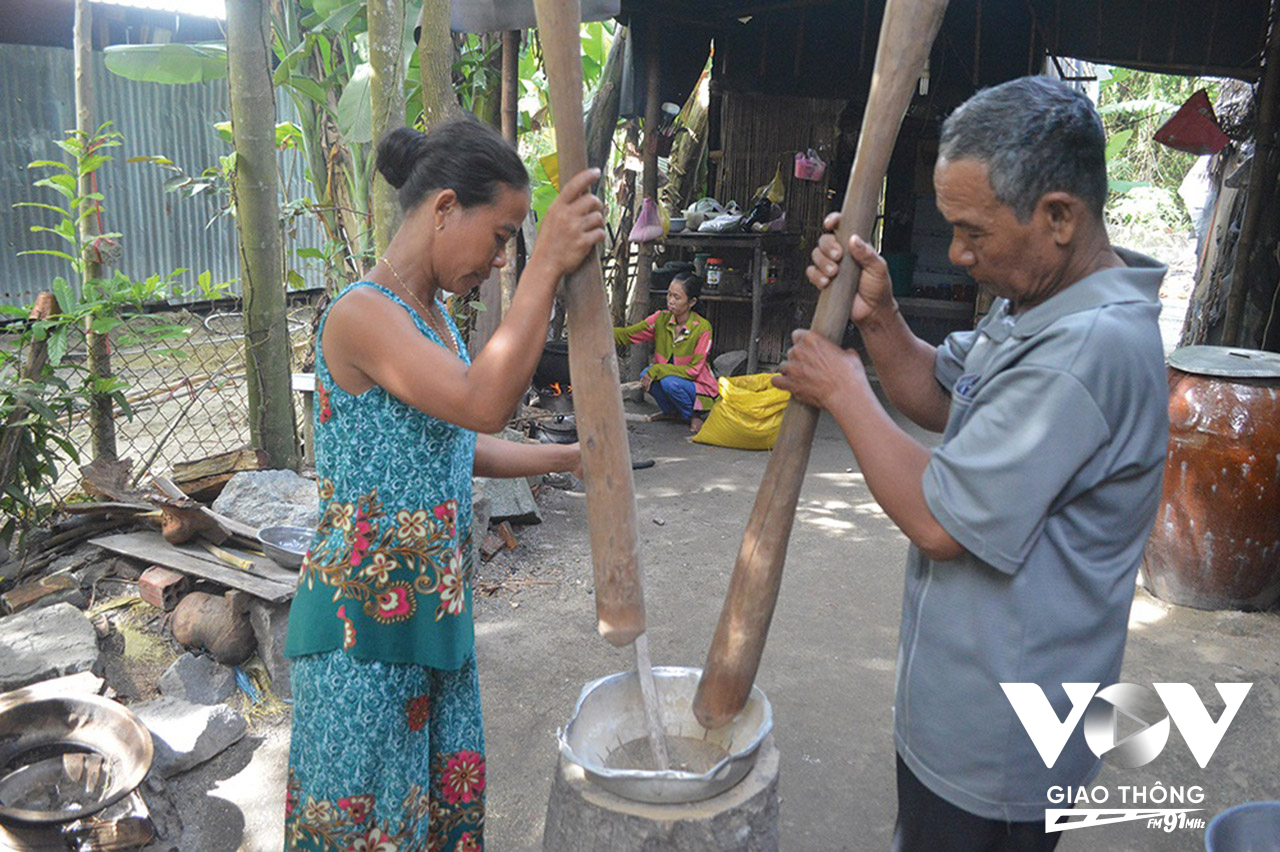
pixel 828 667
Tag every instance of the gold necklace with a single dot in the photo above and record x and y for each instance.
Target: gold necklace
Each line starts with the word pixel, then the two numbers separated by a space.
pixel 430 317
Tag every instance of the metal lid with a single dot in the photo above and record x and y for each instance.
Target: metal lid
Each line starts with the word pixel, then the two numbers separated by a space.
pixel 1226 361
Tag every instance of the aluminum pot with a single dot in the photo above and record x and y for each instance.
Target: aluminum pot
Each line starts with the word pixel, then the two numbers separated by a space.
pixel 610 712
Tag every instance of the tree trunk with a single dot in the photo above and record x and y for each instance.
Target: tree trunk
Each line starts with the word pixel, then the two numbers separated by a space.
pixel 640 352
pixel 435 63
pixel 1262 176
pixel 253 110
pixel 102 424
pixel 602 116
pixel 487 105
pixel 510 122
pixel 387 25
pixel 622 246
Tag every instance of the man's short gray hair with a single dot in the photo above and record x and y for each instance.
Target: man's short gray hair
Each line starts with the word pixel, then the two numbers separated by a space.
pixel 1035 135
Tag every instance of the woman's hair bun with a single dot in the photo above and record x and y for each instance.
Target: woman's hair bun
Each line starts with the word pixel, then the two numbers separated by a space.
pixel 463 155
pixel 398 153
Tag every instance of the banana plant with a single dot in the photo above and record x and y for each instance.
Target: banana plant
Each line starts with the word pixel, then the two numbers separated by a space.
pixel 321 53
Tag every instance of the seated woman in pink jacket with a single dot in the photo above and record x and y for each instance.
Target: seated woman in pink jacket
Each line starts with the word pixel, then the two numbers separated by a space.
pixel 679 379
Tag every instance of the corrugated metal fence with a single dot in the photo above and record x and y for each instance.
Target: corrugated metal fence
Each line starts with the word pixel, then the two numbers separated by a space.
pixel 161 231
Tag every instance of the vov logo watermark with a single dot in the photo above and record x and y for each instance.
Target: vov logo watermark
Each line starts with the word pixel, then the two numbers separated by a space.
pixel 1107 713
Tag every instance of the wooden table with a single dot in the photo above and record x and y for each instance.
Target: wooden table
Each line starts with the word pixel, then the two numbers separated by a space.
pixel 759 245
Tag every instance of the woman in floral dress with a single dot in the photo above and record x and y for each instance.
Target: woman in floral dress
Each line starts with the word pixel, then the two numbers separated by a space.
pixel 388 748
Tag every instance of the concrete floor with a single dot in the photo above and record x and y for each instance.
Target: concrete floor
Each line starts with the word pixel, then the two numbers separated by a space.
pixel 828 667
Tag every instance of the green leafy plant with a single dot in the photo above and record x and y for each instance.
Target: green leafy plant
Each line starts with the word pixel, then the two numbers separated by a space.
pixel 39 406
pixel 1133 106
pixel 31 413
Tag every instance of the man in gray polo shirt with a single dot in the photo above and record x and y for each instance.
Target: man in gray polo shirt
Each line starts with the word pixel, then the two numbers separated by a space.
pixel 1027 523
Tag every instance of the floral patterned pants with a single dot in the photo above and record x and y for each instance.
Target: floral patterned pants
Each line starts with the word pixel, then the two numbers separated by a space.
pixel 385 757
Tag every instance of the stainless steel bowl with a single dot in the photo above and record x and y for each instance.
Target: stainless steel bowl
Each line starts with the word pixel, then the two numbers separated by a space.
pixel 68 756
pixel 610 713
pixel 286 545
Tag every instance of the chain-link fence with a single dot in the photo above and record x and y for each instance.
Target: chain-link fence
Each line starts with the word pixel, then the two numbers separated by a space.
pixel 186 388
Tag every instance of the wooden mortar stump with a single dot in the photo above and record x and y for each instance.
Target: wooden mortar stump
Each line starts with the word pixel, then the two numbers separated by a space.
pixel 583 817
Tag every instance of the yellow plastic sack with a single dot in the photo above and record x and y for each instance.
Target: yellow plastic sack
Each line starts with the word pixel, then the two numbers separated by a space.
pixel 748 414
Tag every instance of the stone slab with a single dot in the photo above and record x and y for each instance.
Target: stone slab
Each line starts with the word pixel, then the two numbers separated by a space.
pixel 270 622
pixel 582 817
pixel 199 679
pixel 187 734
pixel 270 498
pixel 47 642
pixel 732 363
pixel 509 500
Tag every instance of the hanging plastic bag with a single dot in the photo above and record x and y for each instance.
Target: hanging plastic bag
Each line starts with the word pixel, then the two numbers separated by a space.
pixel 748 414
pixel 809 166
pixel 551 165
pixel 648 225
pixel 1194 128
pixel 774 190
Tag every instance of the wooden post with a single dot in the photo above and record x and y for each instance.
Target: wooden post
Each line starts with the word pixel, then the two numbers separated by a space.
pixel 499 288
pixel 256 192
pixel 387 24
pixel 593 365
pixel 102 424
pixel 760 268
pixel 1261 181
pixel 906 34
pixel 640 354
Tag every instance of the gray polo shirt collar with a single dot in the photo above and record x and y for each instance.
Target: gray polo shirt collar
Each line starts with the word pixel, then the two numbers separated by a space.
pixel 1139 282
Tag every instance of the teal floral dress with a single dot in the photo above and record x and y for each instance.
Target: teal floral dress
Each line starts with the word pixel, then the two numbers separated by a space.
pixel 387 751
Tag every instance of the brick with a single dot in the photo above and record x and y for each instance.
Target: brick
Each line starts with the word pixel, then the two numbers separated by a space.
pixel 508 535
pixel 491 546
pixel 161 587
